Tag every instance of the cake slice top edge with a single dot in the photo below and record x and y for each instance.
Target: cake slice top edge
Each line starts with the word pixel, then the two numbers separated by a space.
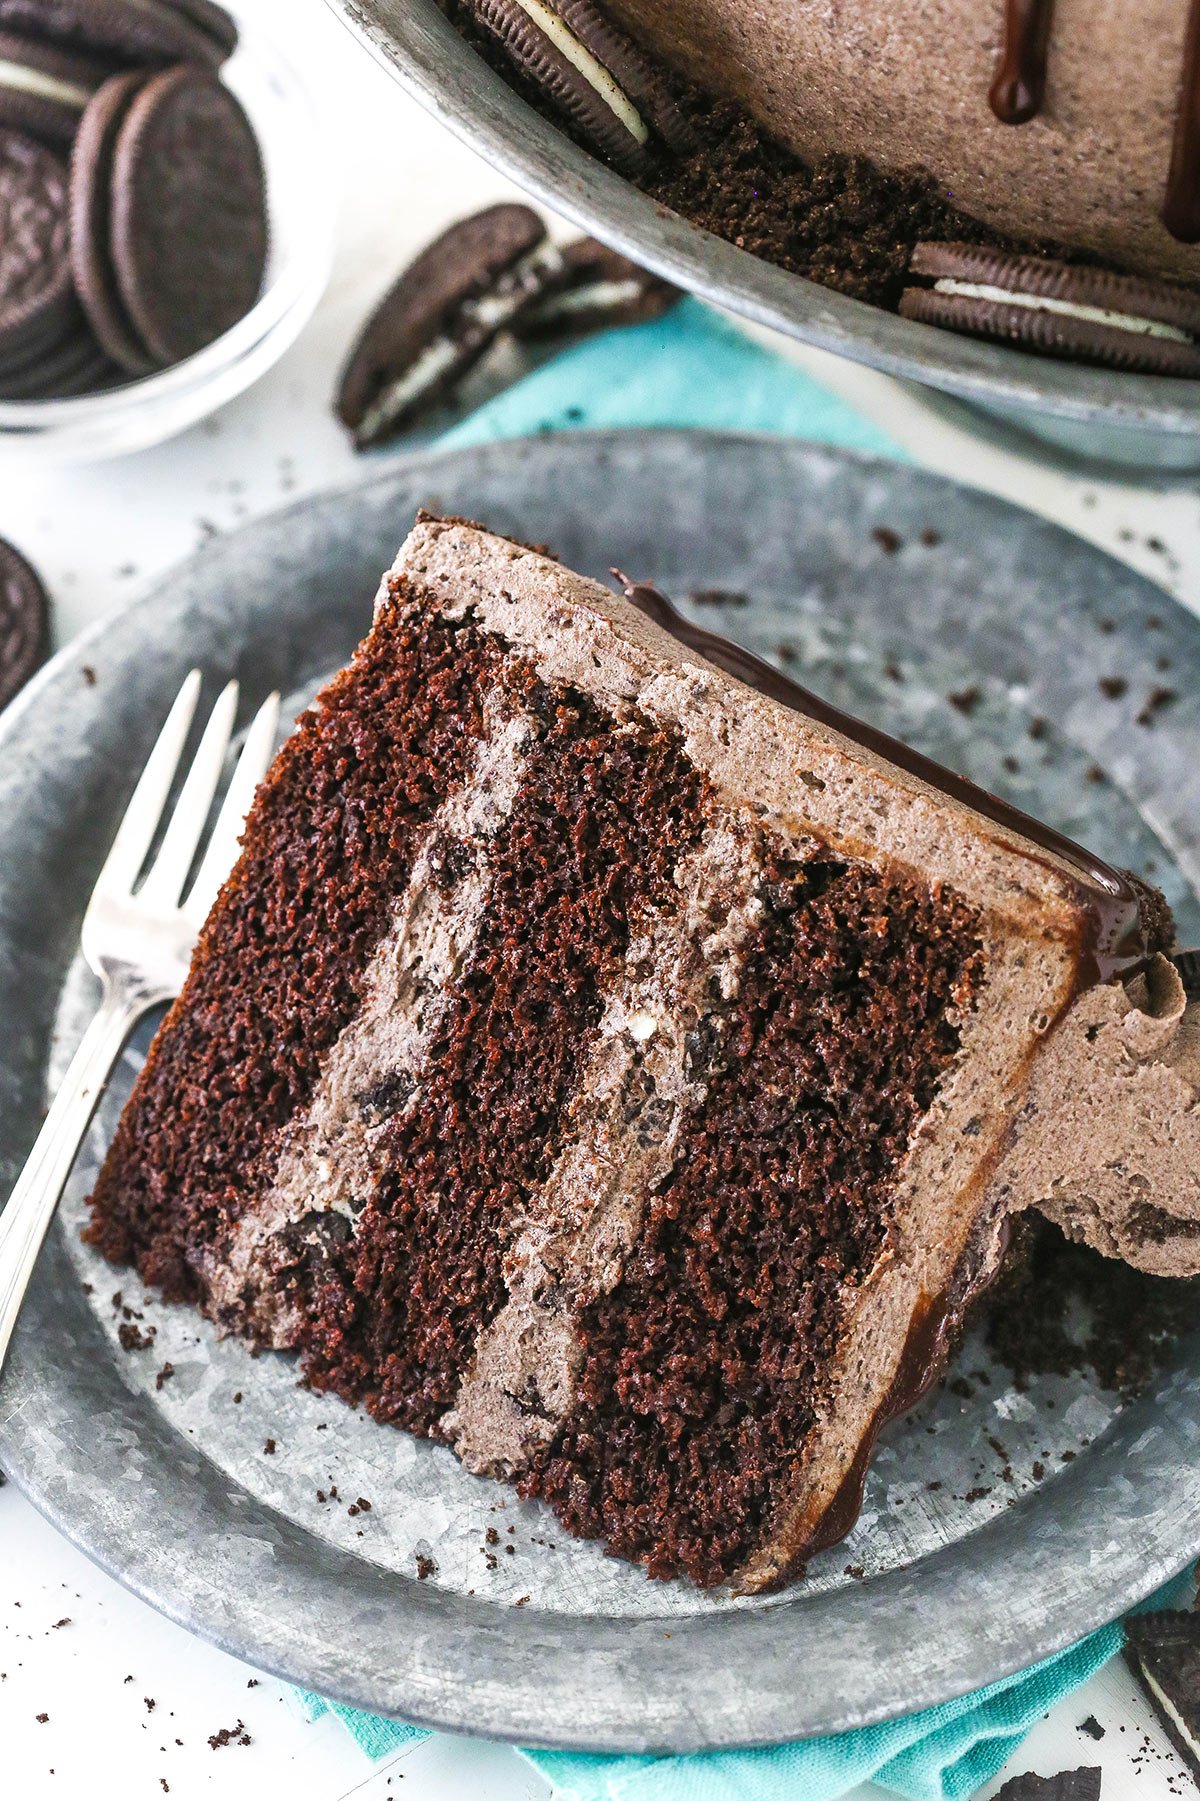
pixel 802 773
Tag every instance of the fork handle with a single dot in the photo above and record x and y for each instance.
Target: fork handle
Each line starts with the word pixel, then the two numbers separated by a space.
pixel 26 1219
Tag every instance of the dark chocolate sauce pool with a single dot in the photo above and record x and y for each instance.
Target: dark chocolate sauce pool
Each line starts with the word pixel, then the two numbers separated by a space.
pixel 1019 84
pixel 1116 945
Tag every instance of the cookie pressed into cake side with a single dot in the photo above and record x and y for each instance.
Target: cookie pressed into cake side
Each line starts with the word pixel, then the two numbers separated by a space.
pixel 609 1063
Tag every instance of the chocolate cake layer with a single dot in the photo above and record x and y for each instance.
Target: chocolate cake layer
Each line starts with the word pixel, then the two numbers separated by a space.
pixel 601 1065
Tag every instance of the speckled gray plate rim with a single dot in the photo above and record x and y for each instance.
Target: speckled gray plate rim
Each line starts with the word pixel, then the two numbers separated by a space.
pixel 998 1526
pixel 1150 418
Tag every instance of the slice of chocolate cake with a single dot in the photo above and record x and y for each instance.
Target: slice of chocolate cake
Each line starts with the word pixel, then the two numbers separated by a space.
pixel 608 1061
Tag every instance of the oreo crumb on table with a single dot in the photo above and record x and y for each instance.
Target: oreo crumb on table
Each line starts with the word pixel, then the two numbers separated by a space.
pixel 1091 1727
pixel 229 1735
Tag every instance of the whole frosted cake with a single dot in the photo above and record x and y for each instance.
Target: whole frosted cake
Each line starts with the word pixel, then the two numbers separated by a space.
pixel 1073 120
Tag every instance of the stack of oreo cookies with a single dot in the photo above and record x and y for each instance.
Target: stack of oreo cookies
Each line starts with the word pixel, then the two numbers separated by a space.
pixel 133 220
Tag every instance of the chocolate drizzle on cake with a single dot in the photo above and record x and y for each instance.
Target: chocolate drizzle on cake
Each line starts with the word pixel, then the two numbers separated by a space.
pixel 1019 84
pixel 1181 207
pixel 1118 947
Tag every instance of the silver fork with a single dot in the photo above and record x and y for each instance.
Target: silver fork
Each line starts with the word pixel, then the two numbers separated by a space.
pixel 138 940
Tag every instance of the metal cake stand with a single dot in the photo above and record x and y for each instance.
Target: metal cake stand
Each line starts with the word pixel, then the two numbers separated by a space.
pixel 1079 1506
pixel 1137 420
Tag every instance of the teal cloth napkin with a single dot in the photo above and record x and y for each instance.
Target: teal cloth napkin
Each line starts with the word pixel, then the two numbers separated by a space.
pixel 691 368
pixel 942 1754
pixel 688 368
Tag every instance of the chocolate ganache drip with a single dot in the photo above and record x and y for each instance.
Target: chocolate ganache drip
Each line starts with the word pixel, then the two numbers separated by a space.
pixel 1181 207
pixel 1117 945
pixel 1019 84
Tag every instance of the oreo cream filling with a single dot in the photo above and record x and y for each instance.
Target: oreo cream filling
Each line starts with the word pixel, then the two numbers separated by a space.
pixel 595 296
pixel 26 80
pixel 1066 309
pixel 588 66
pixel 476 322
pixel 1183 1727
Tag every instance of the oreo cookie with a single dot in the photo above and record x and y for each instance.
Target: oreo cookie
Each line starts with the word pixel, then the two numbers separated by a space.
pixel 126 33
pixel 24 622
pixel 446 309
pixel 168 215
pixel 72 365
pixel 1163 1651
pixel 588 70
pixel 598 288
pixel 37 303
pixel 43 90
pixel 1054 309
pixel 189 213
pixel 91 223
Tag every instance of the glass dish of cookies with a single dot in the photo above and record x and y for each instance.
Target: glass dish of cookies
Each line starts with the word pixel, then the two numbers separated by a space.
pixel 166 222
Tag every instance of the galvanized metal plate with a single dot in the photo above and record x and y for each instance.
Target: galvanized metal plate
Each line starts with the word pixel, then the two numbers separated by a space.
pixel 1096 413
pixel 892 592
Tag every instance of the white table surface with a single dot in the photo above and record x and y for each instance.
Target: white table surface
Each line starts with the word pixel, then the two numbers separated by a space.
pixel 73 1646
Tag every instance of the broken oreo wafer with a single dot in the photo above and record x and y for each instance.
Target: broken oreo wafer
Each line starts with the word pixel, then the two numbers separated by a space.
pixel 24 622
pixel 444 312
pixel 590 71
pixel 598 288
pixel 1083 315
pixel 148 33
pixel 1163 1651
pixel 1068 1785
pixel 43 90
